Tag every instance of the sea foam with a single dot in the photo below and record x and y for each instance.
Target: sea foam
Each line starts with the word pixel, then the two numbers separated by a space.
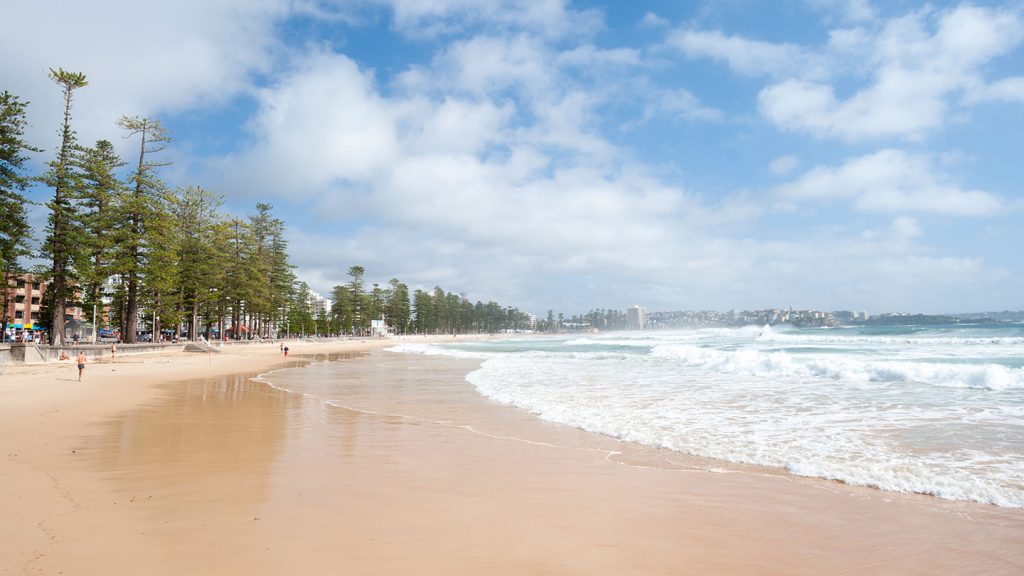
pixel 939 412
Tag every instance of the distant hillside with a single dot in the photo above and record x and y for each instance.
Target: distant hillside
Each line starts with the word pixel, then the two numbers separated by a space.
pixel 911 320
pixel 1004 316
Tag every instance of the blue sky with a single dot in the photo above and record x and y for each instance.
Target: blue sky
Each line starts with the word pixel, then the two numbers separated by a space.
pixel 830 154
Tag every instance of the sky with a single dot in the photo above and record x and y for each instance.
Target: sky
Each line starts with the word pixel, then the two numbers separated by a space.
pixel 550 154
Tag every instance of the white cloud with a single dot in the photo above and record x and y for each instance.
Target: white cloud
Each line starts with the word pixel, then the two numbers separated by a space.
pixel 488 64
pixel 652 20
pixel 551 18
pixel 322 122
pixel 588 56
pixel 783 165
pixel 851 10
pixel 565 124
pixel 683 104
pixel 454 126
pixel 1005 90
pixel 897 105
pixel 900 230
pixel 748 57
pixel 892 181
pixel 920 68
pixel 672 105
pixel 906 227
pixel 168 57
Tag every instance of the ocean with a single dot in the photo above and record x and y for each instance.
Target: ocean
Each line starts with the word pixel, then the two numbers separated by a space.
pixel 935 410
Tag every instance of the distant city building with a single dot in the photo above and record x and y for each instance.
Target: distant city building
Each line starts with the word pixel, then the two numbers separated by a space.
pixel 772 316
pixel 636 318
pixel 318 305
pixel 848 316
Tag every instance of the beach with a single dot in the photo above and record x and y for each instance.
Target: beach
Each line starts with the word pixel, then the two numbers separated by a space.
pixel 186 463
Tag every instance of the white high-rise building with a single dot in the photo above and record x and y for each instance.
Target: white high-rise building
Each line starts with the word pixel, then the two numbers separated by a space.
pixel 318 304
pixel 636 318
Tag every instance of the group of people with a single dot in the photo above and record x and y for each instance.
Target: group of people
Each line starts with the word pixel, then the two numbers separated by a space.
pixel 20 337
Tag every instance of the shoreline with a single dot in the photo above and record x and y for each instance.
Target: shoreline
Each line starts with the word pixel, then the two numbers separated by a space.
pixel 482 473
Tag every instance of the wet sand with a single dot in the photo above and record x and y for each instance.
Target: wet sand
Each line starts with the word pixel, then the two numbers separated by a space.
pixel 399 467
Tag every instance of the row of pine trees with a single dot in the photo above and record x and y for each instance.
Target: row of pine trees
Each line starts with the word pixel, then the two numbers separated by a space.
pixel 436 312
pixel 172 256
pixel 148 250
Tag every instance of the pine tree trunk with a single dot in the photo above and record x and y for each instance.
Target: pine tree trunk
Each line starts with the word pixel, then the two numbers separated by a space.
pixel 156 336
pixel 132 311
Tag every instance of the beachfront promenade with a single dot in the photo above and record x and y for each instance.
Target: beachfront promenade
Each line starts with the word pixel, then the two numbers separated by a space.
pixel 35 353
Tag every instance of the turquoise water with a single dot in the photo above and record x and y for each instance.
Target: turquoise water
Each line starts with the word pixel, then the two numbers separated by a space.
pixel 928 409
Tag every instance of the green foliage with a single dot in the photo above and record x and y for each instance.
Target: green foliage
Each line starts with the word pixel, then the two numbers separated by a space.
pixel 169 255
pixel 436 312
pixel 269 273
pixel 199 267
pixel 97 194
pixel 140 239
pixel 64 235
pixel 396 306
pixel 360 322
pixel 14 228
pixel 300 314
pixel 259 283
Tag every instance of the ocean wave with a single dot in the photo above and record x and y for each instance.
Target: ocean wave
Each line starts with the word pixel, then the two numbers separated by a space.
pixel 669 336
pixel 884 410
pixel 640 343
pixel 861 340
pixel 433 350
pixel 779 364
pixel 914 478
pixel 846 444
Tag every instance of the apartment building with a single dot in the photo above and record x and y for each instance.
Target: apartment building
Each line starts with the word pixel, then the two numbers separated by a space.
pixel 24 299
pixel 636 318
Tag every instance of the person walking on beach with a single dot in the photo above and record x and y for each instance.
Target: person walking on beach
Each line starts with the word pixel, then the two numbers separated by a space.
pixel 113 351
pixel 285 351
pixel 81 364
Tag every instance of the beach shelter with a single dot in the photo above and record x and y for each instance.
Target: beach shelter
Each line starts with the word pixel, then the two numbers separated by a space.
pixel 84 330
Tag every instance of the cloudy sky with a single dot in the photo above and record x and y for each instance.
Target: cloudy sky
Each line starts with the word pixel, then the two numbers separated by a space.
pixel 830 154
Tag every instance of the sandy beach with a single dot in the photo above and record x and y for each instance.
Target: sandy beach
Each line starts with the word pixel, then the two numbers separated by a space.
pixel 185 464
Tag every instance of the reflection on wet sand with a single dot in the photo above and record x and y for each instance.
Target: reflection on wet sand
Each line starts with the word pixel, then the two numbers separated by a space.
pixel 386 463
pixel 208 447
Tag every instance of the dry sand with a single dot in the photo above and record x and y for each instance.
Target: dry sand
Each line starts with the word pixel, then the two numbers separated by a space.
pixel 182 464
